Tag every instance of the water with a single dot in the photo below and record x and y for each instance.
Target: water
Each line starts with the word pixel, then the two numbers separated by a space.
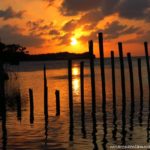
pixel 101 130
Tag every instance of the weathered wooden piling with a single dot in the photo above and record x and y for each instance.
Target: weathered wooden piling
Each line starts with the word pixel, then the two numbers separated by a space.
pixel 140 77
pixel 57 93
pixel 92 73
pixel 123 132
pixel 102 67
pixel 45 93
pixel 31 106
pixel 132 94
pixel 147 62
pixel 131 77
pixel 113 80
pixel 82 98
pixel 114 131
pixel 82 86
pixel 70 98
pixel 122 71
pixel 141 91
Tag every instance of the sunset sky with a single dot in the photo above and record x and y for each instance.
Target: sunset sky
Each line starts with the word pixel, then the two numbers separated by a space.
pixel 49 26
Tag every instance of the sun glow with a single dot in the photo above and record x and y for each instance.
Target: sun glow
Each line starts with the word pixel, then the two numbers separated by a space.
pixel 73 41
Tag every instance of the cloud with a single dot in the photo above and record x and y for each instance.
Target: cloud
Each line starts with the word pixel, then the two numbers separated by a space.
pixel 112 30
pixel 50 2
pixel 133 9
pixel 73 7
pixel 140 38
pixel 130 9
pixel 70 25
pixel 39 27
pixel 116 29
pixel 9 13
pixel 54 32
pixel 12 34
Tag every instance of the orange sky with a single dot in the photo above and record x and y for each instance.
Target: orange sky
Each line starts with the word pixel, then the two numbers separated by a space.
pixel 48 26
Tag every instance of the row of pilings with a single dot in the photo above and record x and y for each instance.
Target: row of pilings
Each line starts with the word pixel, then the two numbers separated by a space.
pixel 93 98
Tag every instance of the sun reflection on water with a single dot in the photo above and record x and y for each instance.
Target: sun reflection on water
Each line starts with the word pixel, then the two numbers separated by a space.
pixel 76 80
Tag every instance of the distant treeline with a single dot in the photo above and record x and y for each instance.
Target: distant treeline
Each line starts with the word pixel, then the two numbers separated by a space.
pixel 55 56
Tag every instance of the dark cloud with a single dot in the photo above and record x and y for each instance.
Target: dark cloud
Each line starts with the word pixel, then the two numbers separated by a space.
pixel 116 29
pixel 70 25
pixel 12 34
pixel 88 21
pixel 64 39
pixel 39 27
pixel 91 17
pixel 73 7
pixel 9 13
pixel 54 32
pixel 140 38
pixel 112 30
pixel 130 9
pixel 133 9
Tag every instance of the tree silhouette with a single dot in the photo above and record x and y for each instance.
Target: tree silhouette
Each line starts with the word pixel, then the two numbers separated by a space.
pixel 11 54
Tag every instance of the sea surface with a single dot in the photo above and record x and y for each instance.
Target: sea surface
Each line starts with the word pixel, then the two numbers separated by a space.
pixel 102 130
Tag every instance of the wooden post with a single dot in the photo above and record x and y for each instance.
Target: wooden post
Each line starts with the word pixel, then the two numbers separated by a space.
pixel 101 50
pixel 82 98
pixel 31 106
pixel 82 86
pixel 140 77
pixel 113 79
pixel 123 132
pixel 131 77
pixel 114 131
pixel 141 91
pixel 92 74
pixel 122 72
pixel 45 93
pixel 70 98
pixel 147 62
pixel 132 93
pixel 57 93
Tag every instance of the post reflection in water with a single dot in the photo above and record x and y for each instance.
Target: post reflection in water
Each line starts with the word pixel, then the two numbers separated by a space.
pixel 4 129
pixel 3 114
pixel 148 122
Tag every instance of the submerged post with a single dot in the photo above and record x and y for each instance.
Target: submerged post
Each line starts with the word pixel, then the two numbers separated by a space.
pixel 147 62
pixel 82 86
pixel 140 77
pixel 92 73
pixel 114 131
pixel 101 50
pixel 45 93
pixel 113 79
pixel 31 106
pixel 122 72
pixel 123 132
pixel 131 77
pixel 82 98
pixel 57 93
pixel 70 98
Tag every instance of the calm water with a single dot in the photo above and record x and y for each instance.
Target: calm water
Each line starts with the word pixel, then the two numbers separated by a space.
pixel 99 131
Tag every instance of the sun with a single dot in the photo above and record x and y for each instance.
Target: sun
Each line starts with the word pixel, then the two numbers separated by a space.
pixel 73 41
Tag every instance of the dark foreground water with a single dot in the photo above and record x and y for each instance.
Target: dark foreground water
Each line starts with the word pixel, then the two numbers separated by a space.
pixel 100 131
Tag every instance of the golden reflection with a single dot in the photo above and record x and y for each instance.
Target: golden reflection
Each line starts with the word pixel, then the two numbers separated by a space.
pixel 75 71
pixel 76 86
pixel 76 80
